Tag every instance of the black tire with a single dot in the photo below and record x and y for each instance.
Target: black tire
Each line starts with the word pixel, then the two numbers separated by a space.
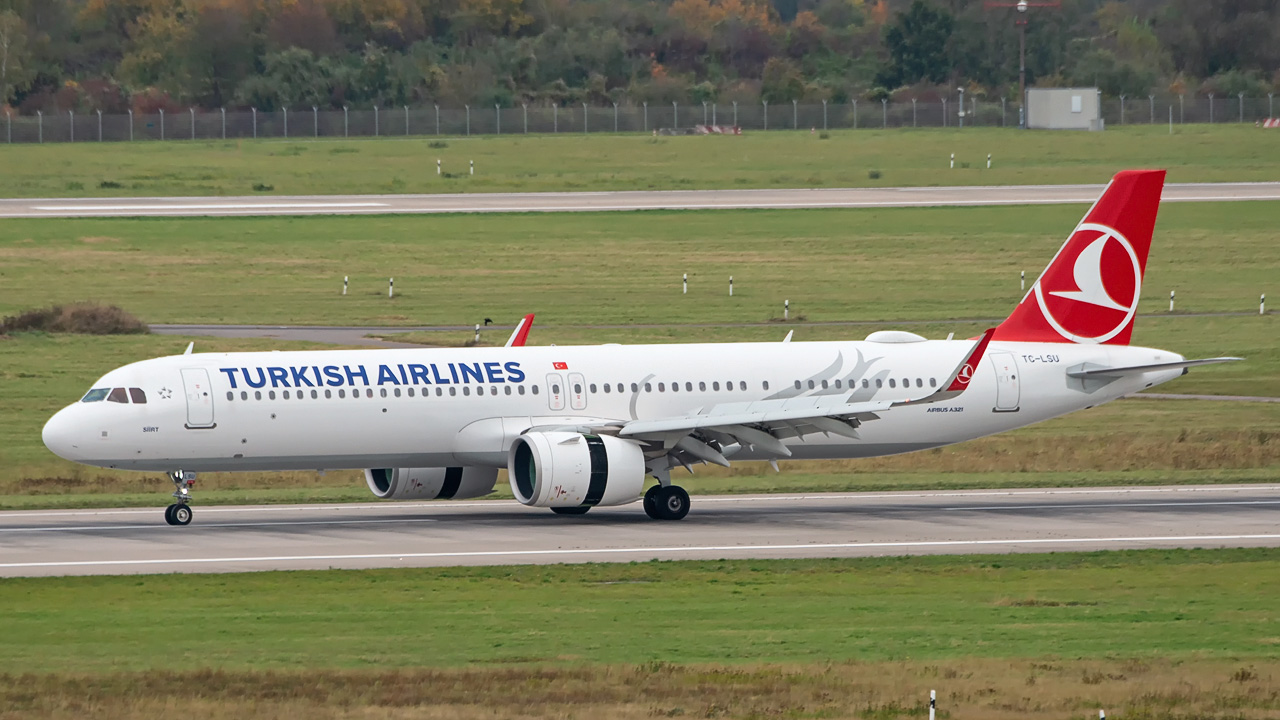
pixel 580 510
pixel 651 502
pixel 181 514
pixel 168 514
pixel 673 503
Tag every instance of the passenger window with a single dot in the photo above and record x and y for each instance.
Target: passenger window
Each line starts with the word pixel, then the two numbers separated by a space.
pixel 257 395
pixel 453 392
pixel 607 388
pixel 577 388
pixel 592 388
pixel 866 383
pixel 314 395
pixel 648 387
pixel 837 384
pixel 410 391
pixel 810 384
pixel 675 387
pixel 230 396
pixel 728 385
pixel 879 383
pixel 439 392
pixel 466 390
pixel 535 390
pixel 662 387
pixel 271 395
pixel 824 384
pixel 919 382
pixel 742 385
pixel 480 390
pixel 555 388
pixel 797 384
pixel 716 385
pixel 96 395
pixel 520 389
pixel 286 394
pixel 137 396
pixel 118 395
pixel 766 384
pixel 892 384
pixel 933 382
pixel 506 388
pixel 328 394
pixel 702 386
pixel 688 387
pixel 397 392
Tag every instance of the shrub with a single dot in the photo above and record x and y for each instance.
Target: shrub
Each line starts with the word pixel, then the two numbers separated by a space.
pixel 874 174
pixel 79 318
pixel 263 187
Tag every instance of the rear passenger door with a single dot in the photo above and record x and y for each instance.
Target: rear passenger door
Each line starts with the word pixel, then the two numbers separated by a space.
pixel 555 391
pixel 577 391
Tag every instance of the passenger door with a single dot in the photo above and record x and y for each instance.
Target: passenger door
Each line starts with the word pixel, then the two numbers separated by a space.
pixel 577 391
pixel 555 391
pixel 199 392
pixel 1007 392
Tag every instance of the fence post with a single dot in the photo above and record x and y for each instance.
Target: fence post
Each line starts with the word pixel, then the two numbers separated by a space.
pixel 71 124
pixel 913 112
pixel 735 113
pixel 437 119
pixel 646 116
pixel 346 122
pixel 704 112
pixel 286 121
pixel 1240 97
pixel 795 115
pixel 406 120
pixel 224 123
pixel 497 118
pixel 254 111
pixel 855 114
pixel 615 117
pixel 884 105
pixel 824 114
pixel 525 108
pixel 675 114
pixel 131 126
pixel 1210 108
pixel 376 129
pixel 1002 109
pixel 40 128
pixel 1181 116
pixel 315 120
pixel 713 114
pixel 555 118
pixel 1152 99
pixel 1269 98
pixel 766 114
pixel 944 112
pixel 468 107
pixel 99 126
pixel 1122 108
pixel 162 123
pixel 193 123
pixel 9 132
pixel 584 118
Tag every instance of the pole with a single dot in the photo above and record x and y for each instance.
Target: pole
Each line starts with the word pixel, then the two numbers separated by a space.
pixel 438 166
pixel 1022 61
pixel 786 310
pixel 1002 109
pixel 584 118
pixel 953 161
pixel 376 129
pixel 255 122
pixel 795 115
pixel 824 114
pixel 766 114
pixel 71 124
pixel 730 286
pixel 9 131
pixel 913 112
pixel 346 122
pixel 1170 301
pixel 1262 304
pixel 162 123
pixel 1210 108
pixel 40 124
pixel 497 119
pixel 884 106
pixel 473 167
pixel 704 112
pixel 1182 118
pixel 735 113
pixel 855 114
pixel 130 126
pixel 1240 97
pixel 615 117
pixel 468 107
pixel 1122 109
pixel 988 161
pixel 1170 119
pixel 224 123
pixel 477 338
pixel 315 120
pixel 944 112
pixel 193 123
pixel 713 114
pixel 1152 100
pixel 344 284
pixel 685 290
pixel 933 703
pixel 1023 275
pixel 961 113
pixel 555 118
pixel 406 120
pixel 675 114
pixel 99 126
pixel 525 108
pixel 286 121
pixel 437 119
pixel 646 116
pixel 391 287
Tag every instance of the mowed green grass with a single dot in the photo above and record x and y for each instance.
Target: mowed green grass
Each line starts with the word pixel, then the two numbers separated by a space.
pixel 1199 153
pixel 1157 605
pixel 613 268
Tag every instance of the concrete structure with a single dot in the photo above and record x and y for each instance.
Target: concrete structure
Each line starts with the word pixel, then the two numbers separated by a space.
pixel 1064 109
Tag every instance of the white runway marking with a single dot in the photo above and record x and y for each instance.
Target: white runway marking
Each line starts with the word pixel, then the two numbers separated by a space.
pixel 1117 505
pixel 154 526
pixel 635 550
pixel 211 206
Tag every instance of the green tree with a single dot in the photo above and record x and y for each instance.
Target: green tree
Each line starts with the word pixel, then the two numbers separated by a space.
pixel 782 80
pixel 14 57
pixel 917 44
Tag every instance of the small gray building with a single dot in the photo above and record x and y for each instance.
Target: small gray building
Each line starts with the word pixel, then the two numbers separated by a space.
pixel 1063 109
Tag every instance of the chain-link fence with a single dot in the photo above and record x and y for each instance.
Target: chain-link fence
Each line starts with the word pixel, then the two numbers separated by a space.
pixel 196 124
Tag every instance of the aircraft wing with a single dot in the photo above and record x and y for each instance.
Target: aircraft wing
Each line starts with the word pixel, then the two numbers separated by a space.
pixel 717 431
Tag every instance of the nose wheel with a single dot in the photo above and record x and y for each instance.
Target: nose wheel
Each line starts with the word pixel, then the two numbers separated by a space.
pixel 666 503
pixel 179 513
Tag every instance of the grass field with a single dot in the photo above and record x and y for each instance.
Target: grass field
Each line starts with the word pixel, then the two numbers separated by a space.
pixel 1145 634
pixel 635 162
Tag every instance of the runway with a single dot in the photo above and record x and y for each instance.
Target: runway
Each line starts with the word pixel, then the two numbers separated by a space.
pixel 256 205
pixel 497 532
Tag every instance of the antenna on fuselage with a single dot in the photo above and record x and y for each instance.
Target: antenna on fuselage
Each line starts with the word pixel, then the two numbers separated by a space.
pixel 190 346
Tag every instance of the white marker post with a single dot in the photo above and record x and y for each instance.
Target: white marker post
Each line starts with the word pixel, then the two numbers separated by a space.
pixel 1102 715
pixel 786 310
pixel 730 286
pixel 438 166
pixel 1023 275
pixel 933 703
pixel 1170 301
pixel 344 284
pixel 391 287
pixel 685 284
pixel 988 161
pixel 953 161
pixel 1262 305
pixel 473 167
pixel 477 339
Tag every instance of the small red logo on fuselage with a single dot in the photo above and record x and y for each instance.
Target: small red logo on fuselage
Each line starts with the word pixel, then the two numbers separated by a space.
pixel 560 365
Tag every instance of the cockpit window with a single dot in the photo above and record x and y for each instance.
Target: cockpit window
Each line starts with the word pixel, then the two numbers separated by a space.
pixel 118 395
pixel 137 396
pixel 96 395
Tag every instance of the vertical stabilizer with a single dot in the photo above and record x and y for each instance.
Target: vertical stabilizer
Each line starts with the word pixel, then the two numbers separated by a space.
pixel 1089 292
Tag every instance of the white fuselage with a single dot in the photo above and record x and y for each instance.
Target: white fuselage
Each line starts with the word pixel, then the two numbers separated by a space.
pixel 421 408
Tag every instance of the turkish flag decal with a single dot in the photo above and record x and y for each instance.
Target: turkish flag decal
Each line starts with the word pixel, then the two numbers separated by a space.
pixel 560 365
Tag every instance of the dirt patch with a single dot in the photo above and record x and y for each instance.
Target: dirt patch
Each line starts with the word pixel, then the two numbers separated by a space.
pixel 80 318
pixel 96 240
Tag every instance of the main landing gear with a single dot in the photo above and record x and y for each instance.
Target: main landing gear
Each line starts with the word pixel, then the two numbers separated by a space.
pixel 668 502
pixel 179 513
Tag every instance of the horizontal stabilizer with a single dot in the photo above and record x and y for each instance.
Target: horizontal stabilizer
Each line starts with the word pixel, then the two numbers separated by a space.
pixel 1089 372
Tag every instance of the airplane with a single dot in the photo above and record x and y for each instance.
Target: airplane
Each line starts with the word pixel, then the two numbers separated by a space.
pixel 584 426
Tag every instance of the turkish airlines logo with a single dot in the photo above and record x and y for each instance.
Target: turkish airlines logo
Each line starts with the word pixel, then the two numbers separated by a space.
pixel 1090 292
pixel 966 374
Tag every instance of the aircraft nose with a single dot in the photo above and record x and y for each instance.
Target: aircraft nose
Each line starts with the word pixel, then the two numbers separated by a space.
pixel 59 435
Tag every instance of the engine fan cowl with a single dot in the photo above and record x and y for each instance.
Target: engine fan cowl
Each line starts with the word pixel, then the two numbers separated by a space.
pixel 436 483
pixel 569 469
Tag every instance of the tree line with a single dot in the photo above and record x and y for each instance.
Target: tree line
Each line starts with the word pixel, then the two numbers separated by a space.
pixel 115 55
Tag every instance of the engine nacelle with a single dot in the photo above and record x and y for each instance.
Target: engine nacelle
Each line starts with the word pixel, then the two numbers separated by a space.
pixel 569 469
pixel 442 483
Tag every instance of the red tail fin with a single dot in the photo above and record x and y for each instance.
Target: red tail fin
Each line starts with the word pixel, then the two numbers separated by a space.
pixel 1089 293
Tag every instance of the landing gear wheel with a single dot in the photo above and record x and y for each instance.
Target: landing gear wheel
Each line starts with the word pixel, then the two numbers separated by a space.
pixel 168 514
pixel 672 502
pixel 651 502
pixel 580 510
pixel 180 514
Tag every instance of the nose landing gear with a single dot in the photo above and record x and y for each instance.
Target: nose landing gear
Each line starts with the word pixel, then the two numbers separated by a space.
pixel 179 513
